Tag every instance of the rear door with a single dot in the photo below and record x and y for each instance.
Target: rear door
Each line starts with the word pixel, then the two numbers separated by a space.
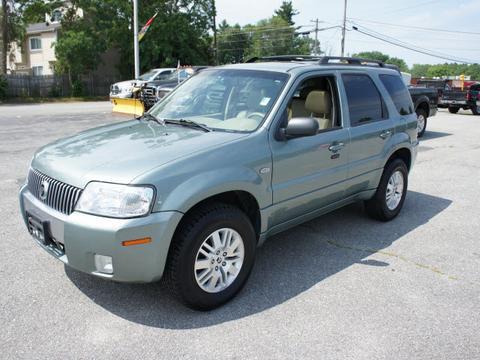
pixel 371 130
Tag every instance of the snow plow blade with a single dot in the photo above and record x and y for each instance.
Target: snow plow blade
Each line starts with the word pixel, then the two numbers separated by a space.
pixel 127 106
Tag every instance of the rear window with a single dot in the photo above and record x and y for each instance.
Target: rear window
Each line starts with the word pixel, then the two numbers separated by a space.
pixel 365 103
pixel 399 93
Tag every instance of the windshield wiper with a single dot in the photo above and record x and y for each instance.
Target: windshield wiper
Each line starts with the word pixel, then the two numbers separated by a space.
pixel 189 123
pixel 148 116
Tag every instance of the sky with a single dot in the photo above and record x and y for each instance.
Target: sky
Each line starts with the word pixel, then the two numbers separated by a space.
pixel 390 18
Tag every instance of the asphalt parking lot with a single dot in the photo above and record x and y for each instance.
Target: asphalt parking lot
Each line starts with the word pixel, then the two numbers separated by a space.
pixel 339 287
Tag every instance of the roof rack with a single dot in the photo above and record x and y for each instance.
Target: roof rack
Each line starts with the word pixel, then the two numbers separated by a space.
pixel 285 58
pixel 325 60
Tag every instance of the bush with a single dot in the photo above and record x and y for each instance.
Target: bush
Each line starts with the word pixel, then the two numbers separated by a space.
pixel 3 87
pixel 77 88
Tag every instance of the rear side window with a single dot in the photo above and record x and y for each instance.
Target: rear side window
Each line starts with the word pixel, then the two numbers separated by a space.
pixel 399 93
pixel 365 103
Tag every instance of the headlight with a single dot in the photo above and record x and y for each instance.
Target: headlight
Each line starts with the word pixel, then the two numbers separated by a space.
pixel 114 200
pixel 127 89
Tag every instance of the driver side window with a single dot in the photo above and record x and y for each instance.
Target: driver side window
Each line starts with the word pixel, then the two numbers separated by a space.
pixel 316 97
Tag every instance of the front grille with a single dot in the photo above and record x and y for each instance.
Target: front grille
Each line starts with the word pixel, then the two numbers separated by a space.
pixel 149 95
pixel 115 90
pixel 59 196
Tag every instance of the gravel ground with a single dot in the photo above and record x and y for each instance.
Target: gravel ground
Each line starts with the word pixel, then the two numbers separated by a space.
pixel 339 287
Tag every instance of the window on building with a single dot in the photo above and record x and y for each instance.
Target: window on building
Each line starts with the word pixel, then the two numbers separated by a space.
pixel 35 43
pixel 364 101
pixel 37 70
pixel 56 15
pixel 399 93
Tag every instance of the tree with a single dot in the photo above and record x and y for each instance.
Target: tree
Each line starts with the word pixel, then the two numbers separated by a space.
pixel 12 30
pixel 286 12
pixel 377 55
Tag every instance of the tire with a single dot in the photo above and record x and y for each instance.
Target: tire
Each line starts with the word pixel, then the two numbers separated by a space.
pixel 453 110
pixel 185 254
pixel 475 110
pixel 377 207
pixel 421 122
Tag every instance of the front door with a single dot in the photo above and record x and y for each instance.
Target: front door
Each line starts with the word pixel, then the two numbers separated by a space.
pixel 310 172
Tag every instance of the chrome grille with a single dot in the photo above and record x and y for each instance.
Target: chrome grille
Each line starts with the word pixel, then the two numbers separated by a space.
pixel 60 196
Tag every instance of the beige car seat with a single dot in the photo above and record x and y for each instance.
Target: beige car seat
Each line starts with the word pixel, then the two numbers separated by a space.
pixel 319 106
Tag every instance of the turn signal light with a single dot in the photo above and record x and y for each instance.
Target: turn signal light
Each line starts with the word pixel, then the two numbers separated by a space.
pixel 137 241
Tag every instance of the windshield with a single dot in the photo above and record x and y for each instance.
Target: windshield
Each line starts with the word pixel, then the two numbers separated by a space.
pixel 224 99
pixel 147 76
pixel 181 75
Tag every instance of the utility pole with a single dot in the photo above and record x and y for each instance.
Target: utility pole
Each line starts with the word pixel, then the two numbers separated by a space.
pixel 215 48
pixel 343 27
pixel 316 46
pixel 136 51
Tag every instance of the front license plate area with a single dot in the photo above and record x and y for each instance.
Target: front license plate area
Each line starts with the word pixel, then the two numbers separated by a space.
pixel 40 230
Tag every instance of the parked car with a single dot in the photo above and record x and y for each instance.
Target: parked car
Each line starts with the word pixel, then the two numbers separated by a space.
pixel 232 156
pixel 153 91
pixel 124 89
pixel 425 101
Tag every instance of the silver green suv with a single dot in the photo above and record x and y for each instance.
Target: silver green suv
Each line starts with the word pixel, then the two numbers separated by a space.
pixel 232 156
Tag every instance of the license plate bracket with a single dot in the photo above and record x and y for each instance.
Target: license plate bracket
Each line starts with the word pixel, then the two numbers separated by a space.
pixel 40 230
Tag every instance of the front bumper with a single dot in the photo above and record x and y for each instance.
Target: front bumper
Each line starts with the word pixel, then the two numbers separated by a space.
pixel 84 235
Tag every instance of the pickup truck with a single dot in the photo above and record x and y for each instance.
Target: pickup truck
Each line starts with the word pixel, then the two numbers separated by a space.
pixel 154 90
pixel 232 156
pixel 425 101
pixel 467 100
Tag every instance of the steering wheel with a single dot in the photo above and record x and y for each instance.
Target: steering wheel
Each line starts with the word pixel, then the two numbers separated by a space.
pixel 255 114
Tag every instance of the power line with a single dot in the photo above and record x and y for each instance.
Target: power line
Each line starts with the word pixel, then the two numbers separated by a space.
pixel 411 47
pixel 418 27
pixel 398 41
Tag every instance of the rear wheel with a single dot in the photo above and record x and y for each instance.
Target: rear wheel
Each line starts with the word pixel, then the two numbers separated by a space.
pixel 475 110
pixel 390 195
pixel 421 122
pixel 453 110
pixel 211 256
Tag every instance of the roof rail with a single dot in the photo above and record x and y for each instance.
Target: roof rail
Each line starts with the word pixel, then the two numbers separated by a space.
pixel 325 60
pixel 285 58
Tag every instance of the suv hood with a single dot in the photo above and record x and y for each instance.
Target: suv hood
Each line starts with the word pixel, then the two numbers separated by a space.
pixel 121 152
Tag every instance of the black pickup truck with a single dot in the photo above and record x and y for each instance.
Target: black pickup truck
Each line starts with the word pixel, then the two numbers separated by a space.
pixel 425 101
pixel 155 90
pixel 466 100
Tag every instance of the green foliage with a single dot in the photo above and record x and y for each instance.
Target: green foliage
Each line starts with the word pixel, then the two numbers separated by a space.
pixel 377 55
pixel 273 36
pixel 77 88
pixel 286 12
pixel 442 70
pixel 3 87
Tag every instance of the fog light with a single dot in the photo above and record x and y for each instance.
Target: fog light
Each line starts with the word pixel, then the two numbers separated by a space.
pixel 104 264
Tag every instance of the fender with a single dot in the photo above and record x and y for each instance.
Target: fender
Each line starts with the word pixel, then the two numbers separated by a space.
pixel 213 182
pixel 423 99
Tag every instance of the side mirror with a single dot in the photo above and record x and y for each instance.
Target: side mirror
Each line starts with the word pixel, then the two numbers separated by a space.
pixel 299 127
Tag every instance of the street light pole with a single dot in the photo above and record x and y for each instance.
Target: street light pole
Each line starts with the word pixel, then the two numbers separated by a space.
pixel 136 51
pixel 343 27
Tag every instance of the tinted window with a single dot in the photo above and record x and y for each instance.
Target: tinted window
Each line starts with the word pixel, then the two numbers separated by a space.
pixel 364 101
pixel 399 93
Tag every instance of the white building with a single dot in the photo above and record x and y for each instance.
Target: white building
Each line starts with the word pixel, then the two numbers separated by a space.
pixel 37 53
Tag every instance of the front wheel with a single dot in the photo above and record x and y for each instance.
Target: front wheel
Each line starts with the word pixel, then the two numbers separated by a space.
pixel 421 122
pixel 390 195
pixel 475 110
pixel 453 110
pixel 211 257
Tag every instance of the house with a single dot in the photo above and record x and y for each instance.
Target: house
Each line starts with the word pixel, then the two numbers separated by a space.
pixel 36 56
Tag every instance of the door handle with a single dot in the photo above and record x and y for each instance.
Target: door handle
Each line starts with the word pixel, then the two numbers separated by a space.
pixel 336 147
pixel 385 134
